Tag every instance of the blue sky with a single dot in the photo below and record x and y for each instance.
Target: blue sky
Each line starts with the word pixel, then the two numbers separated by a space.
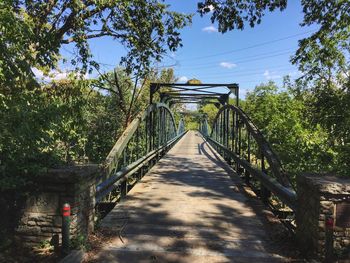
pixel 247 57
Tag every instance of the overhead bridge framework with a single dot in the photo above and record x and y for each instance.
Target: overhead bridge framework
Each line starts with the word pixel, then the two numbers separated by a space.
pixel 174 93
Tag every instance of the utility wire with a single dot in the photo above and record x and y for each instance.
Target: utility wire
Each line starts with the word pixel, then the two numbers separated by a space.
pixel 242 58
pixel 233 75
pixel 241 61
pixel 250 47
pixel 257 70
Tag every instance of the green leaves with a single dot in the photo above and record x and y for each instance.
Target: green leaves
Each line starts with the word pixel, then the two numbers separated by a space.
pixel 67 121
pixel 283 119
pixel 325 53
pixel 234 14
pixel 32 33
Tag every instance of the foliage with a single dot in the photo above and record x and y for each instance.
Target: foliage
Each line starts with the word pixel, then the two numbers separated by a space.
pixel 79 242
pixel 284 119
pixel 232 14
pixel 191 121
pixel 325 53
pixel 210 110
pixel 327 106
pixel 193 81
pixel 122 89
pixel 322 56
pixel 69 122
pixel 61 123
pixel 34 31
pixel 325 50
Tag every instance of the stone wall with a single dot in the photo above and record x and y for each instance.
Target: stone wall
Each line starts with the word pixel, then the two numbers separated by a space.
pixel 42 214
pixel 323 216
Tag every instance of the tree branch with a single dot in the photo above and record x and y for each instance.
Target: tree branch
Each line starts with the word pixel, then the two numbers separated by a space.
pixel 70 40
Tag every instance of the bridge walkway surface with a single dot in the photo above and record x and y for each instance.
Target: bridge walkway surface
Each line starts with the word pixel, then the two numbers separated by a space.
pixel 189 208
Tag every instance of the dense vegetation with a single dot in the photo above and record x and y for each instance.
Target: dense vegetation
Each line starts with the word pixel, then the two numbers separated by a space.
pixel 290 122
pixel 77 120
pixel 73 120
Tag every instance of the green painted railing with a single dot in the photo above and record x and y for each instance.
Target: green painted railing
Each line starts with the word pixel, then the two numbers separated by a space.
pixel 144 141
pixel 243 146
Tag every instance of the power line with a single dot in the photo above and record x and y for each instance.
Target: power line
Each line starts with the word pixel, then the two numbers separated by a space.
pixel 234 75
pixel 242 58
pixel 256 70
pixel 250 47
pixel 242 61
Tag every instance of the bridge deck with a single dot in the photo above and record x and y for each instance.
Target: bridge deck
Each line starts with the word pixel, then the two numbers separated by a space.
pixel 187 209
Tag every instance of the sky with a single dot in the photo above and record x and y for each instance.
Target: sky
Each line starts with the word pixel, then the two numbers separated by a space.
pixel 248 57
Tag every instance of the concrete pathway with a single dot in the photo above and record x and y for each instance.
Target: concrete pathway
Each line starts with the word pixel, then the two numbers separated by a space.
pixel 189 208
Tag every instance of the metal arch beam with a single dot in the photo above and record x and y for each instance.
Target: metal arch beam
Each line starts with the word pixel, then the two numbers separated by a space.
pixel 211 85
pixel 193 94
pixel 113 156
pixel 265 147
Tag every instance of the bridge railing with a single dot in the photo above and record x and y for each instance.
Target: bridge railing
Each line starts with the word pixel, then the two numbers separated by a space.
pixel 241 144
pixel 148 137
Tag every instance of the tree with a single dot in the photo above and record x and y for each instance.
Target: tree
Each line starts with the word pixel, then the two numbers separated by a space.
pixel 233 14
pixel 210 110
pixel 324 51
pixel 282 118
pixel 193 81
pixel 323 58
pixel 32 32
pixel 132 95
pixel 31 35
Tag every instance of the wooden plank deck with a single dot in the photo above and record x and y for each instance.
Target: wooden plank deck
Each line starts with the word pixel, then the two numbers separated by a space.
pixel 189 208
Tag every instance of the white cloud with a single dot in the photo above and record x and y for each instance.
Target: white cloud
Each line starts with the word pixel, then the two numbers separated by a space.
pixel 271 75
pixel 210 29
pixel 53 75
pixel 183 79
pixel 294 73
pixel 228 65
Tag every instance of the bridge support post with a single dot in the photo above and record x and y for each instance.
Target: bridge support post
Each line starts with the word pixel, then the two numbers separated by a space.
pixel 247 177
pixel 41 216
pixel 323 217
pixel 123 189
pixel 264 192
pixel 140 174
pixel 66 229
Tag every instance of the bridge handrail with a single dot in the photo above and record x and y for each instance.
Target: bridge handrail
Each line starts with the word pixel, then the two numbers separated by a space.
pixel 113 174
pixel 279 185
pixel 105 187
pixel 265 147
pixel 122 142
pixel 287 195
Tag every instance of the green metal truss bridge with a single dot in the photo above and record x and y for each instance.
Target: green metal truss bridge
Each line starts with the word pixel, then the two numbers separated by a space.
pixel 193 179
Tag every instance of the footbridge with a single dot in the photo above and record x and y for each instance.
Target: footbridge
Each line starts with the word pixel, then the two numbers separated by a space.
pixel 182 195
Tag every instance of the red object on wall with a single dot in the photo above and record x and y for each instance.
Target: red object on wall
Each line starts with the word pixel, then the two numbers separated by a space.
pixel 66 210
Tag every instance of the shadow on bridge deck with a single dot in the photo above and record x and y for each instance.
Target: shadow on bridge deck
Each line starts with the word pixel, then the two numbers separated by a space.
pixel 189 208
